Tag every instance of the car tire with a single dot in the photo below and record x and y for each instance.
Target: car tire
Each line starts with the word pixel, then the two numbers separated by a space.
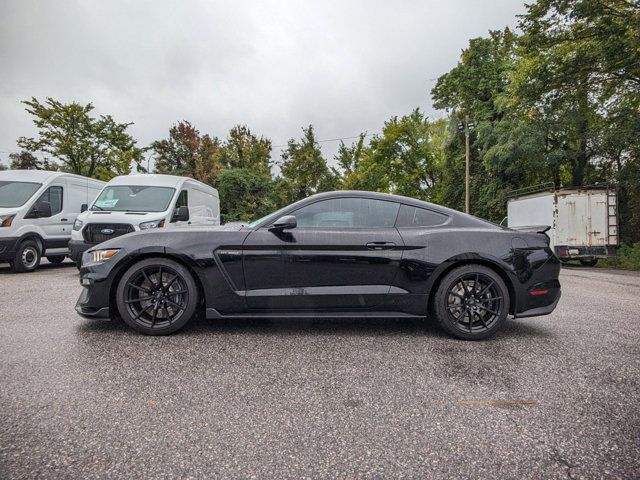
pixel 471 302
pixel 157 296
pixel 56 258
pixel 588 262
pixel 27 257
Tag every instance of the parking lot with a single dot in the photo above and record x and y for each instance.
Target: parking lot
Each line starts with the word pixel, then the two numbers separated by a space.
pixel 553 397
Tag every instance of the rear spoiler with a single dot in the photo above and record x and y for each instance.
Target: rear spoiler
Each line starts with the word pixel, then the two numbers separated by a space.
pixel 532 228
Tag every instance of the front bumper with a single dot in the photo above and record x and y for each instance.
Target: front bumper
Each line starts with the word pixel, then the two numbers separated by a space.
pixel 77 248
pixel 8 248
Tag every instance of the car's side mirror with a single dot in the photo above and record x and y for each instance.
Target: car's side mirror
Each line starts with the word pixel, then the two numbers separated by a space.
pixel 182 215
pixel 84 207
pixel 42 210
pixel 285 223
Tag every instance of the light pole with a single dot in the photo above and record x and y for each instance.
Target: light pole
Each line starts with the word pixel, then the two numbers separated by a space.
pixel 468 125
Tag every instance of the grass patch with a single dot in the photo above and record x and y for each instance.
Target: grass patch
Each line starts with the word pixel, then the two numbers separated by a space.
pixel 628 258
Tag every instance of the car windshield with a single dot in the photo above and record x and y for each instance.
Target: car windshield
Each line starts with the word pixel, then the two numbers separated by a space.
pixel 134 198
pixel 16 194
pixel 266 217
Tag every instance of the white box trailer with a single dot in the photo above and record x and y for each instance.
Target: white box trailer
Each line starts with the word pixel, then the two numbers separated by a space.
pixel 583 220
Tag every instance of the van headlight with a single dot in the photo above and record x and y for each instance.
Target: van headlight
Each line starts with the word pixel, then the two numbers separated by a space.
pixel 5 220
pixel 153 224
pixel 98 256
pixel 77 225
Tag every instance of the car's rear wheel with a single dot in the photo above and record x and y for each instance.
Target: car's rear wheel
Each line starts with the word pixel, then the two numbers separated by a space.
pixel 157 296
pixel 27 257
pixel 56 258
pixel 471 302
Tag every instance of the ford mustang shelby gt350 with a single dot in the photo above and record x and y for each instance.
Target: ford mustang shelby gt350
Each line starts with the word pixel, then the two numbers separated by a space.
pixel 336 254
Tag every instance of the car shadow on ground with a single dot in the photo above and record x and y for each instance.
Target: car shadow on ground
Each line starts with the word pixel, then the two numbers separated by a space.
pixel 316 326
pixel 6 270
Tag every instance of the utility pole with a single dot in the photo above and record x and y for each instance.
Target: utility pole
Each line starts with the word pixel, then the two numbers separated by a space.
pixel 467 200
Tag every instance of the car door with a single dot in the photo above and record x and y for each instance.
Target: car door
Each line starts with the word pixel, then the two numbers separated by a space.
pixel 57 227
pixel 262 257
pixel 344 254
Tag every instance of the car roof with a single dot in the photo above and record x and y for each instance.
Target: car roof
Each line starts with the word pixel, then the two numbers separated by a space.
pixel 388 197
pixel 39 176
pixel 155 179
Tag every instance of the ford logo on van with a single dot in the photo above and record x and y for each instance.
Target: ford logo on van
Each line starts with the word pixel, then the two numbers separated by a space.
pixel 107 231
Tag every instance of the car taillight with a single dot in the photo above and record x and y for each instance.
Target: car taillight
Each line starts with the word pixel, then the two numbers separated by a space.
pixel 562 252
pixel 537 293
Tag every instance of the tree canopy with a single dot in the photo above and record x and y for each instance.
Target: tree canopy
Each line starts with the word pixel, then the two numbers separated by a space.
pixel 84 145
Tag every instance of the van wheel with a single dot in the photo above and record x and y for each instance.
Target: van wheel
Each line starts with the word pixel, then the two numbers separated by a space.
pixel 157 296
pixel 56 258
pixel 27 257
pixel 471 302
pixel 589 262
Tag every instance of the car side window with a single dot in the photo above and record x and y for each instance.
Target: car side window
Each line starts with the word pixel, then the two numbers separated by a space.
pixel 52 196
pixel 419 217
pixel 348 213
pixel 183 199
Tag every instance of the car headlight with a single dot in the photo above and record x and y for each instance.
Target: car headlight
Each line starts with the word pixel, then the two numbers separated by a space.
pixel 152 224
pixel 77 225
pixel 5 220
pixel 98 256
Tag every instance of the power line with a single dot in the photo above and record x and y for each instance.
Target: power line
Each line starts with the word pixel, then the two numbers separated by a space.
pixel 329 140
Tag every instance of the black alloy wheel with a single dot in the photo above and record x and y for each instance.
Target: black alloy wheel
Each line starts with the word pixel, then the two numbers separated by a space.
pixel 471 302
pixel 157 296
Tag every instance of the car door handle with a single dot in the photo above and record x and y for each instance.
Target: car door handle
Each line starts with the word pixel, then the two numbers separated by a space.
pixel 63 219
pixel 380 245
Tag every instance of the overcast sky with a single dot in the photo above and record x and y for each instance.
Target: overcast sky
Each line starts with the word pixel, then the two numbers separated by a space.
pixel 344 66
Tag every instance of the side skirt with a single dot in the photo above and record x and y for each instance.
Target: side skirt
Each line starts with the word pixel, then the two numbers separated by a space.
pixel 213 313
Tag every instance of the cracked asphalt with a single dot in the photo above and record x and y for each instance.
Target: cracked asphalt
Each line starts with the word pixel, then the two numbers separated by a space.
pixel 549 397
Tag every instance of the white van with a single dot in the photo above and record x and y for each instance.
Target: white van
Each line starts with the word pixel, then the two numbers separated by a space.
pixel 37 212
pixel 138 202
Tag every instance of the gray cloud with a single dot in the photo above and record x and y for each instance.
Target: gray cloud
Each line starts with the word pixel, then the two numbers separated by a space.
pixel 274 65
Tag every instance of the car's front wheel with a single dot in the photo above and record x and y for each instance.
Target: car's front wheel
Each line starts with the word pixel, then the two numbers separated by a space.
pixel 471 302
pixel 157 296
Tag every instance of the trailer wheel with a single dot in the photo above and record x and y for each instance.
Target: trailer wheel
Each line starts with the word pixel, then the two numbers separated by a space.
pixel 589 262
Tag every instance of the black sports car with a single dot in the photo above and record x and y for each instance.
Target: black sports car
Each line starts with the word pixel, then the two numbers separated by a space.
pixel 337 254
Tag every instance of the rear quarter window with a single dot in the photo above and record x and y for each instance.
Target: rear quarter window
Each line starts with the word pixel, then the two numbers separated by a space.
pixel 419 217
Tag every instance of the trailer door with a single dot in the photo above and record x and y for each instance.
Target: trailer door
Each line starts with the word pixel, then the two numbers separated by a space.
pixel 582 219
pixel 597 233
pixel 572 223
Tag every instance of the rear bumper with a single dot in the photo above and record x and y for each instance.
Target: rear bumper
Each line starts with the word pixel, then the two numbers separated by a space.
pixel 568 252
pixel 542 310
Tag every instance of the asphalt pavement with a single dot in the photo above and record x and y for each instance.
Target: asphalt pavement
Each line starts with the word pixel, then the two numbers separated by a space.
pixel 548 397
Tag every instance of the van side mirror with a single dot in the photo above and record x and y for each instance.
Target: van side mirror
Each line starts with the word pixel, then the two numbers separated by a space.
pixel 285 223
pixel 84 207
pixel 42 210
pixel 181 215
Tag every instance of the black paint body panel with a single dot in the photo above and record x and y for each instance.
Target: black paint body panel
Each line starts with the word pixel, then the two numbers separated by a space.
pixel 386 271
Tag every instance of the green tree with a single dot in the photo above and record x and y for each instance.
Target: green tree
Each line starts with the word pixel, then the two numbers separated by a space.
pixel 84 145
pixel 244 194
pixel 28 161
pixel 189 153
pixel 401 160
pixel 243 149
pixel 303 167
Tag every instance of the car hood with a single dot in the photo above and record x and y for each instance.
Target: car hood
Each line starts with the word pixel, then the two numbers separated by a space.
pixel 179 238
pixel 8 210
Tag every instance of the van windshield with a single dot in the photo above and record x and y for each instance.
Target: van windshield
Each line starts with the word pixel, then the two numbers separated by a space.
pixel 134 198
pixel 16 194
